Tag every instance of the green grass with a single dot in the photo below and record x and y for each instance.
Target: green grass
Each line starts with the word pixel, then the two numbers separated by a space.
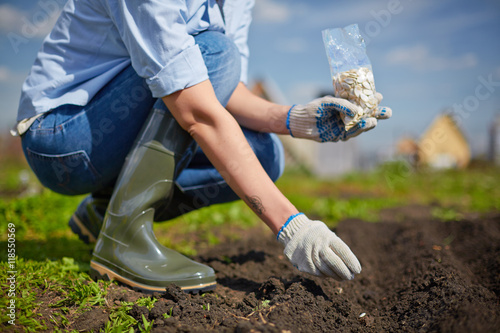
pixel 363 195
pixel 65 285
pixel 53 262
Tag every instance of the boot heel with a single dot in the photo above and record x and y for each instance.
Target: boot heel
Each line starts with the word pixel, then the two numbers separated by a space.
pixel 86 221
pixel 78 228
pixel 96 275
pixel 98 272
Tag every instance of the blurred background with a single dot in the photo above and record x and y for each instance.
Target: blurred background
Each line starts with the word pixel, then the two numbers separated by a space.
pixel 436 63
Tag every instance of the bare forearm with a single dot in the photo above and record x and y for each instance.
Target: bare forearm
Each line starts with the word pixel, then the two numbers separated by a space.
pixel 222 140
pixel 256 113
pixel 229 152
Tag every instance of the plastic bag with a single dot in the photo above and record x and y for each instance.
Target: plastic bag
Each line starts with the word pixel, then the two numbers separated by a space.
pixel 351 70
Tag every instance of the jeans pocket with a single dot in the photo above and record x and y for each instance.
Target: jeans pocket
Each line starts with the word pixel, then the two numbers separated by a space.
pixel 70 173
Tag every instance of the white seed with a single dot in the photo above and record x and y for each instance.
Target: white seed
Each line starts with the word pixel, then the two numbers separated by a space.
pixel 357 86
pixel 362 315
pixel 369 76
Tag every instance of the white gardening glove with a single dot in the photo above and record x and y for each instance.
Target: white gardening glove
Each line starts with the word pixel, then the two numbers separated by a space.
pixel 321 119
pixel 313 248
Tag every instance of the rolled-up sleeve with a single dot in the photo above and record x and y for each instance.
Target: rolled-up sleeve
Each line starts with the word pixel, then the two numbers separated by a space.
pixel 160 48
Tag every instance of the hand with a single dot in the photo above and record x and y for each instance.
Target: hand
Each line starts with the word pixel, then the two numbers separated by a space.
pixel 313 248
pixel 321 119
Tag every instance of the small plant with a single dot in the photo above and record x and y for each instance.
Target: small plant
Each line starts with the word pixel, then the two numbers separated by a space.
pixel 62 322
pixel 169 314
pixel 147 302
pixel 114 327
pixel 227 260
pixel 206 307
pixel 264 304
pixel 119 320
pixel 446 214
pixel 146 325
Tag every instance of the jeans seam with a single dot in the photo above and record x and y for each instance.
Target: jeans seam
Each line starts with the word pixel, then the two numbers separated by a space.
pixel 97 177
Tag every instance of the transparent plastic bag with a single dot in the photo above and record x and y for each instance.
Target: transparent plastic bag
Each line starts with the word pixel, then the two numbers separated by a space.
pixel 351 70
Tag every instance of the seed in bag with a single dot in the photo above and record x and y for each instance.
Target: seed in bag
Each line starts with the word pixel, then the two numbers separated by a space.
pixel 356 85
pixel 351 70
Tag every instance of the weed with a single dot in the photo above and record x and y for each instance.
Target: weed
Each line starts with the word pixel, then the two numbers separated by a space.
pixel 169 314
pixel 448 240
pixel 148 302
pixel 119 320
pixel 146 325
pixel 264 304
pixel 227 260
pixel 446 214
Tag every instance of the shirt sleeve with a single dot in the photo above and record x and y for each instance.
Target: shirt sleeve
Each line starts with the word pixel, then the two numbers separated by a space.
pixel 237 27
pixel 161 50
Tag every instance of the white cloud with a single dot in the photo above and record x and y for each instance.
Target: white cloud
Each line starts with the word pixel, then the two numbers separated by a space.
pixel 420 58
pixel 10 18
pixel 36 23
pixel 6 75
pixel 270 11
pixel 11 78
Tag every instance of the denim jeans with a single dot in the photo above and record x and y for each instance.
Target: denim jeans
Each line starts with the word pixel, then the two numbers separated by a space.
pixel 81 149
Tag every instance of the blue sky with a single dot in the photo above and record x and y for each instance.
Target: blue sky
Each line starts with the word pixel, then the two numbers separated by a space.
pixel 427 56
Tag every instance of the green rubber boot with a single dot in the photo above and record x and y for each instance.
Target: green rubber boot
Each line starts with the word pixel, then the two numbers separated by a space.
pixel 127 249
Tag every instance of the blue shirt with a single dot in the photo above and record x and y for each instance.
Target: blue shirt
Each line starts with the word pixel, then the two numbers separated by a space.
pixel 93 40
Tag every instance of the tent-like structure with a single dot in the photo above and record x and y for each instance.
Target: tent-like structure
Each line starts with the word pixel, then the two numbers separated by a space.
pixel 443 145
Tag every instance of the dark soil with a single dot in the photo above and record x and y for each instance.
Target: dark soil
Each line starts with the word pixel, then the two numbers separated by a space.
pixel 419 275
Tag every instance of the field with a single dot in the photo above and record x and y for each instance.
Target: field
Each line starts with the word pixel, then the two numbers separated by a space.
pixel 428 241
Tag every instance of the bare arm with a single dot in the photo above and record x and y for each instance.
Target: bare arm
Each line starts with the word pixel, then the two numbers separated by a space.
pixel 217 132
pixel 256 113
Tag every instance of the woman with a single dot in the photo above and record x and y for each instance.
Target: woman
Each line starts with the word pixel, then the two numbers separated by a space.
pixel 143 104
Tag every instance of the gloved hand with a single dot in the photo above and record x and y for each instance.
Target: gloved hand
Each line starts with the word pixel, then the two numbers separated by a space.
pixel 321 119
pixel 313 248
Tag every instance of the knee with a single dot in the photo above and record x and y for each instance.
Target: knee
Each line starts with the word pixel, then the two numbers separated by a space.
pixel 223 62
pixel 269 150
pixel 218 51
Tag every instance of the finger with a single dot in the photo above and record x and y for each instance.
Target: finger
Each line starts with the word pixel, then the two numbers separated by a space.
pixel 362 126
pixel 382 113
pixel 344 252
pixel 311 266
pixel 341 105
pixel 333 266
pixel 379 97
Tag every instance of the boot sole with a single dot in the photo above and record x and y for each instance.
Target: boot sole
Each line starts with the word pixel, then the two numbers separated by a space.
pixel 101 272
pixel 79 228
